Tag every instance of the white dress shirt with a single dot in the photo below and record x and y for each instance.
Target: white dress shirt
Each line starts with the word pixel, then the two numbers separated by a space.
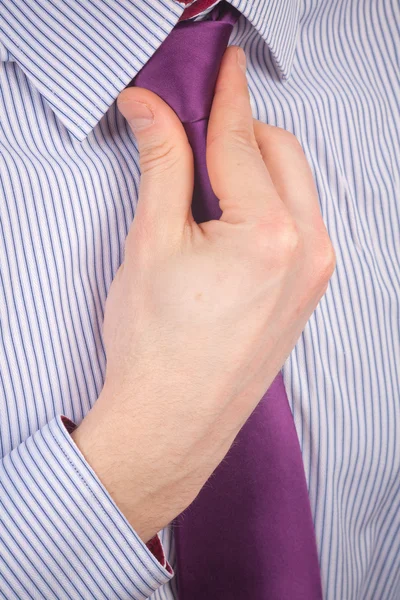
pixel 69 175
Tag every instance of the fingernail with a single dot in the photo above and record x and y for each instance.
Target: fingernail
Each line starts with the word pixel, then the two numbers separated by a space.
pixel 241 58
pixel 142 116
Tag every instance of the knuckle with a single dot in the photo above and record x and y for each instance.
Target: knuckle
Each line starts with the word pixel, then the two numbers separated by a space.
pixel 279 240
pixel 324 262
pixel 241 136
pixel 286 239
pixel 236 136
pixel 287 139
pixel 160 155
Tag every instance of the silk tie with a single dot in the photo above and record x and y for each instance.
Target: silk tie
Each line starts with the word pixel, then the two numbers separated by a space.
pixel 249 533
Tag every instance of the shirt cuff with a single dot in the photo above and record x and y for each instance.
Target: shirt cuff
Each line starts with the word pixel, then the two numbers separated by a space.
pixel 67 537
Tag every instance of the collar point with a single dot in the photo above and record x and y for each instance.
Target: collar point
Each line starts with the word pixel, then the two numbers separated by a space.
pixel 284 71
pixel 78 135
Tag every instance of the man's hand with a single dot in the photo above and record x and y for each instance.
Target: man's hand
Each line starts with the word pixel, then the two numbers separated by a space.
pixel 200 317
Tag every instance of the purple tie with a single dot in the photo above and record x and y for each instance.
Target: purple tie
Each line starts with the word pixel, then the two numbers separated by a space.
pixel 249 533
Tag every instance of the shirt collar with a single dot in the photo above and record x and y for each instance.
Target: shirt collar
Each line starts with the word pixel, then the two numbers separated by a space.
pixel 80 54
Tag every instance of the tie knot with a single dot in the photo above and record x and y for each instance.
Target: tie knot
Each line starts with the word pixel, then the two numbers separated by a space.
pixel 184 69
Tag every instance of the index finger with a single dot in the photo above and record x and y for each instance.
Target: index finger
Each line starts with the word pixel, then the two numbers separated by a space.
pixel 237 172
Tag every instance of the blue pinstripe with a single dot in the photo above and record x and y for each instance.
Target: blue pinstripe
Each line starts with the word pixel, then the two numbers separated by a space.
pixel 69 177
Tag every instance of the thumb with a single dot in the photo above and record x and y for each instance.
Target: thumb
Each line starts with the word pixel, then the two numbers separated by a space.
pixel 166 159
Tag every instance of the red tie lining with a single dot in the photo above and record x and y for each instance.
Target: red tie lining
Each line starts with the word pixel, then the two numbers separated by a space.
pixel 195 8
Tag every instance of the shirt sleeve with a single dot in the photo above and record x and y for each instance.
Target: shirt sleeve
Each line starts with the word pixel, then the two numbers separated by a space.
pixel 61 534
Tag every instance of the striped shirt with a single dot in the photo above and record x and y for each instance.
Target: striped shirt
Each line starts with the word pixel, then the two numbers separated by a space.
pixel 69 174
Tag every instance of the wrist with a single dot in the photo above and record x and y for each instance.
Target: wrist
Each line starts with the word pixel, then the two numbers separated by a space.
pixel 105 442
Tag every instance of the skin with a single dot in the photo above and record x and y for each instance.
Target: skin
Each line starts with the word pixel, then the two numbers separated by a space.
pixel 201 317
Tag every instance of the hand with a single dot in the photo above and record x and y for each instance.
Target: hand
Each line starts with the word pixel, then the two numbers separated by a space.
pixel 200 317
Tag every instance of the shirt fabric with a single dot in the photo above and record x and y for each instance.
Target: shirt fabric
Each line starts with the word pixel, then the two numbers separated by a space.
pixel 69 177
